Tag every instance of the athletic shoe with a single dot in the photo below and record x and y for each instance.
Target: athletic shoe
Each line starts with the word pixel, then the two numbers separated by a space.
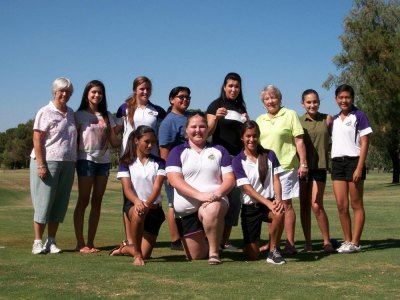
pixel 177 245
pixel 275 258
pixel 37 247
pixel 354 248
pixel 228 247
pixel 348 247
pixel 51 247
pixel 344 247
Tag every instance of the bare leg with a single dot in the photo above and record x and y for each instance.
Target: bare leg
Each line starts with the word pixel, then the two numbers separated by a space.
pixel 357 204
pixel 318 189
pixel 252 251
pixel 226 233
pixel 305 211
pixel 340 189
pixel 275 230
pixel 173 230
pixel 148 243
pixel 85 184
pixel 137 229
pixel 212 216
pixel 52 229
pixel 99 187
pixel 38 229
pixel 196 246
pixel 290 221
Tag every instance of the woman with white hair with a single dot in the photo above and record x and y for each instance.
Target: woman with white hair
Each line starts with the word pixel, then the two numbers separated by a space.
pixel 52 166
pixel 281 131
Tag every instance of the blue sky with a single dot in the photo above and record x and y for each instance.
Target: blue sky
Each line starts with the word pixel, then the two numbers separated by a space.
pixel 288 43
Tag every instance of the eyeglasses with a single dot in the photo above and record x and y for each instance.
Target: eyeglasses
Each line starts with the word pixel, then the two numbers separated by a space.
pixel 181 97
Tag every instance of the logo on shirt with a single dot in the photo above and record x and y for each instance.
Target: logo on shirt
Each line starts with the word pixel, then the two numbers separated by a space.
pixel 153 113
pixel 211 157
pixel 348 123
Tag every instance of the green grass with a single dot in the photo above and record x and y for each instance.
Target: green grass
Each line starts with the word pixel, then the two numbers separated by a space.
pixel 372 274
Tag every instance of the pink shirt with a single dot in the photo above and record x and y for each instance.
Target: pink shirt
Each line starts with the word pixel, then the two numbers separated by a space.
pixel 93 136
pixel 60 141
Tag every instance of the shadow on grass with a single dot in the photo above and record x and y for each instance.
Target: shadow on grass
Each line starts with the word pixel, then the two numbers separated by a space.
pixel 313 256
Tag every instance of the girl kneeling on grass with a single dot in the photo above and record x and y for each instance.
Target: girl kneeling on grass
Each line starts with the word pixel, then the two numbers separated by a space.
pixel 257 173
pixel 142 175
pixel 202 176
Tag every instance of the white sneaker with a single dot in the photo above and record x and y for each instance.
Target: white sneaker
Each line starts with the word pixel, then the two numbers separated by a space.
pixel 51 247
pixel 354 248
pixel 37 247
pixel 344 248
pixel 348 247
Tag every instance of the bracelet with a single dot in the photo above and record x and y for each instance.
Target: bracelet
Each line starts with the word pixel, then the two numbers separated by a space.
pixel 42 166
pixel 304 166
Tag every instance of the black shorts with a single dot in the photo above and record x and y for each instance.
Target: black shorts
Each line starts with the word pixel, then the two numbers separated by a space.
pixel 154 218
pixel 344 167
pixel 252 217
pixel 189 225
pixel 315 175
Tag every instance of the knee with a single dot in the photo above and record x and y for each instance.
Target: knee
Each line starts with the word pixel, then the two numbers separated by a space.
pixel 288 205
pixel 343 209
pixel 317 208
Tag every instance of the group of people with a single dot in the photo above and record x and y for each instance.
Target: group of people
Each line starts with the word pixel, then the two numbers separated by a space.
pixel 214 166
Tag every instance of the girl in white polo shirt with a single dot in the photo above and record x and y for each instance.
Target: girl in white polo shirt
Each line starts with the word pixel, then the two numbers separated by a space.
pixel 257 174
pixel 350 141
pixel 142 175
pixel 135 111
pixel 202 176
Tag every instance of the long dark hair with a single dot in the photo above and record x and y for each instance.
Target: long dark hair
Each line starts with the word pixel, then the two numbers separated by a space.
pixel 102 106
pixel 130 154
pixel 239 99
pixel 261 151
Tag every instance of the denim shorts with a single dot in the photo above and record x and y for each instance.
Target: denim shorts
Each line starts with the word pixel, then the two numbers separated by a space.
pixel 90 168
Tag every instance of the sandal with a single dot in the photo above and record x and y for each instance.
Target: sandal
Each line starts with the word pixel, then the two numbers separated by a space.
pixel 117 251
pixel 214 260
pixel 289 250
pixel 328 249
pixel 307 249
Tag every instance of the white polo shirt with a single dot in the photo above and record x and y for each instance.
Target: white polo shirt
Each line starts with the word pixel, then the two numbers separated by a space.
pixel 143 176
pixel 203 171
pixel 150 115
pixel 346 133
pixel 246 172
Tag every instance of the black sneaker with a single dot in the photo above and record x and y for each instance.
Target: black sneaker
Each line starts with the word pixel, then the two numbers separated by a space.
pixel 177 245
pixel 275 258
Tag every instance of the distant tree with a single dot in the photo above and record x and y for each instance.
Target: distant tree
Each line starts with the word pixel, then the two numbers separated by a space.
pixel 370 61
pixel 17 146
